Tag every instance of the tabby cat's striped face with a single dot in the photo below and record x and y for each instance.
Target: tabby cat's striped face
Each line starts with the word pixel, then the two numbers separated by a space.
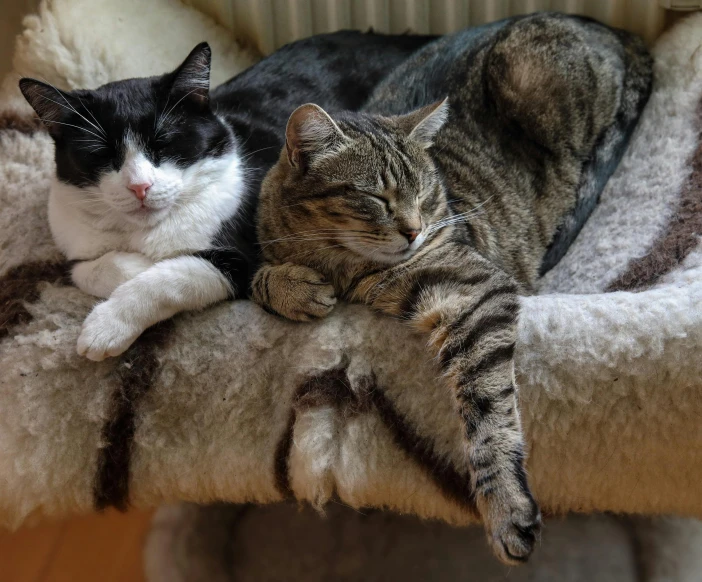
pixel 366 184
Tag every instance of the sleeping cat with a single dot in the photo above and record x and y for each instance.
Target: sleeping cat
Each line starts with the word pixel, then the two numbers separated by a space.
pixel 442 216
pixel 157 179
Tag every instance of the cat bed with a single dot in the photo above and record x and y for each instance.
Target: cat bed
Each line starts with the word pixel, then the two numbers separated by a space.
pixel 234 404
pixel 228 543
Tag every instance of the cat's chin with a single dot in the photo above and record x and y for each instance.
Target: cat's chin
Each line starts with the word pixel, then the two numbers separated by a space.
pixel 386 258
pixel 146 216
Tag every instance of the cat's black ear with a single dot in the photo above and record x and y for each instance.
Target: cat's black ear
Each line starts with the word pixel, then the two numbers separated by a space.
pixel 423 124
pixel 48 102
pixel 310 134
pixel 192 79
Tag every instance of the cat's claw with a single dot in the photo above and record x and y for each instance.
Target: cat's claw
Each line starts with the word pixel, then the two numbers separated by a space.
pixel 513 529
pixel 105 334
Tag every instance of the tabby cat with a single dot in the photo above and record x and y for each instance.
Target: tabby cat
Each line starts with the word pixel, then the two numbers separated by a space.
pixel 441 217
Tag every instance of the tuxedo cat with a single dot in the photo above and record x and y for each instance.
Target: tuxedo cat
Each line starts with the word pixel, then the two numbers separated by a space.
pixel 157 178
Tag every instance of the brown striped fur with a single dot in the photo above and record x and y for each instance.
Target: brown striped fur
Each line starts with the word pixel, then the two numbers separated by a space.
pixel 443 223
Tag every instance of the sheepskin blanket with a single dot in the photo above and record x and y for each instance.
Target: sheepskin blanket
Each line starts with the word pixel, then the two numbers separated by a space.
pixel 233 404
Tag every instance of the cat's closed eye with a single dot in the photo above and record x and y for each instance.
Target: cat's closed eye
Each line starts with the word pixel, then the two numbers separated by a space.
pixel 163 140
pixel 94 152
pixel 384 202
pixel 97 157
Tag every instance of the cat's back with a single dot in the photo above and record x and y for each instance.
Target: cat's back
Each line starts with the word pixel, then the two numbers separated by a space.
pixel 423 78
pixel 441 68
pixel 339 68
pixel 337 71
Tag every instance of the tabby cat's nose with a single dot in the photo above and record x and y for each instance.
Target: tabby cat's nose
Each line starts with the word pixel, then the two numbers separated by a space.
pixel 140 189
pixel 411 234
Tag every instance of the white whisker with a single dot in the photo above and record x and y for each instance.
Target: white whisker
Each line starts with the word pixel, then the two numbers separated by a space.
pixel 73 108
pixel 70 125
pixel 91 115
pixel 247 156
pixel 456 218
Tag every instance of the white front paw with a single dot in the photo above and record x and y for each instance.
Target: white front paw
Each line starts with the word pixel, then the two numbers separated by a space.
pixel 106 332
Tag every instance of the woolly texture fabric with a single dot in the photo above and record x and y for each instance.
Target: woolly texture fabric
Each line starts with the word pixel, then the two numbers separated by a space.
pixel 125 39
pixel 281 542
pixel 233 404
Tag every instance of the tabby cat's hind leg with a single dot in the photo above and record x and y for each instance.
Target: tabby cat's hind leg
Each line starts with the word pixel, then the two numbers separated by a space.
pixel 559 81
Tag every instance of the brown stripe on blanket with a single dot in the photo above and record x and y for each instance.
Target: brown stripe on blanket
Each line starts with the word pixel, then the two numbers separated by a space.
pixel 680 237
pixel 333 388
pixel 136 372
pixel 281 468
pixel 454 485
pixel 328 388
pixel 137 368
pixel 20 285
pixel 27 124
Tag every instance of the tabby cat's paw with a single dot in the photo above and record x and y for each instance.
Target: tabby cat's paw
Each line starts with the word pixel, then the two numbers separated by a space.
pixel 294 291
pixel 512 527
pixel 105 333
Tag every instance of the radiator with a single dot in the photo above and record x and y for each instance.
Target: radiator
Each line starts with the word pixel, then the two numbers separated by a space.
pixel 269 24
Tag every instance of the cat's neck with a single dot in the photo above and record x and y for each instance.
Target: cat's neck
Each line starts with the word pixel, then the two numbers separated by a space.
pixel 84 230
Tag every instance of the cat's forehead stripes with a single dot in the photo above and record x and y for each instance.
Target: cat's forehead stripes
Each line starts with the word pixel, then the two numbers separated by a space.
pixel 394 171
pixel 387 180
pixel 377 158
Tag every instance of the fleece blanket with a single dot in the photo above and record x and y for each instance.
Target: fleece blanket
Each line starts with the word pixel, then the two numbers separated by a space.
pixel 233 404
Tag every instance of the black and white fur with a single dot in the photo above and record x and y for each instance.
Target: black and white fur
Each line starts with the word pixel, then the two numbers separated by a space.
pixel 157 179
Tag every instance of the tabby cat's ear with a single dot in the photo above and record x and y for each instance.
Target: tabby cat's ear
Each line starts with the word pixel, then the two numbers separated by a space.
pixel 48 102
pixel 423 124
pixel 192 79
pixel 310 134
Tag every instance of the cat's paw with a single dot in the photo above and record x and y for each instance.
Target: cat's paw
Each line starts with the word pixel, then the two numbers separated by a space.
pixel 102 276
pixel 513 524
pixel 105 333
pixel 294 291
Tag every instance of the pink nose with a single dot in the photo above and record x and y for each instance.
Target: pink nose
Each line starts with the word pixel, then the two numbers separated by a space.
pixel 140 189
pixel 411 234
